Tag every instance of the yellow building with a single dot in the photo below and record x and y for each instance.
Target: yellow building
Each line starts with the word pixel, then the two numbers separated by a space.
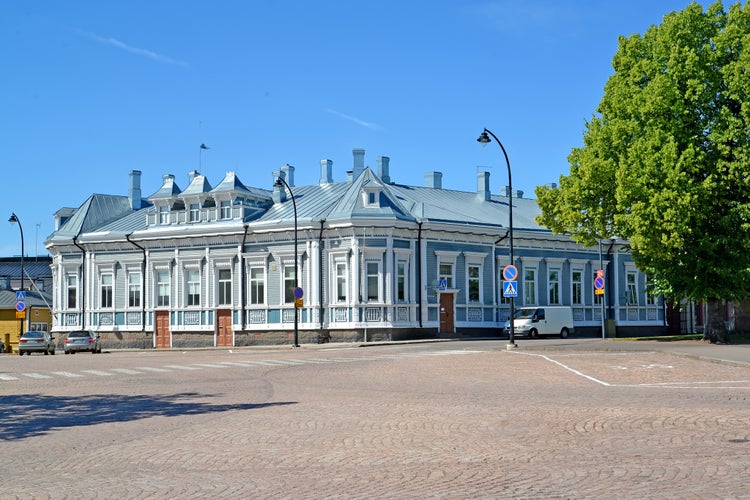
pixel 36 315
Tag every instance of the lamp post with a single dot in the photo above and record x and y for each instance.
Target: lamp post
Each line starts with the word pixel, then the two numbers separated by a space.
pixel 280 182
pixel 13 219
pixel 484 139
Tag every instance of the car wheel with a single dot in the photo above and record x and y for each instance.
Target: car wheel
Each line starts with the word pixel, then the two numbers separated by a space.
pixel 53 352
pixel 564 333
pixel 46 352
pixel 533 333
pixel 20 353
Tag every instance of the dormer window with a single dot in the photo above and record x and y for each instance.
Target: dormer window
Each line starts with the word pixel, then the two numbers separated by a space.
pixel 226 209
pixel 164 214
pixel 371 197
pixel 195 212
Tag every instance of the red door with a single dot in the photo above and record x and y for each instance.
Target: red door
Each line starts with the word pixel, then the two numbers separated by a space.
pixel 224 328
pixel 447 314
pixel 163 340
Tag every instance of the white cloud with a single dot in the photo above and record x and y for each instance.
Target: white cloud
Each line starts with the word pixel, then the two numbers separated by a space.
pixel 114 42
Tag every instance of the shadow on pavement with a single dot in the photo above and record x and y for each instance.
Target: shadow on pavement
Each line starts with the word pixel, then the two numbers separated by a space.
pixel 27 415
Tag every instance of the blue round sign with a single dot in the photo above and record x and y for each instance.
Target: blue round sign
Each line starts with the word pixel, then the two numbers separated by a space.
pixel 298 293
pixel 510 273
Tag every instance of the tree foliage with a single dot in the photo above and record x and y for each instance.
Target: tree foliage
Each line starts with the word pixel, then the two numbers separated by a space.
pixel 665 161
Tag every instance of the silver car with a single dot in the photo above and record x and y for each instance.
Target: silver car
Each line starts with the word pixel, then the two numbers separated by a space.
pixel 36 342
pixel 82 340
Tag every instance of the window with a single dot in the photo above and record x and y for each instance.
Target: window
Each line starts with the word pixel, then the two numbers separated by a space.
pixel 474 273
pixel 373 281
pixel 226 209
pixel 529 286
pixel 134 289
pixel 577 287
pixel 72 284
pixel 257 285
pixel 341 295
pixel 289 284
pixel 193 277
pixel 164 215
pixel 106 291
pixel 446 273
pixel 632 291
pixel 195 212
pixel 401 294
pixel 553 286
pixel 225 287
pixel 162 288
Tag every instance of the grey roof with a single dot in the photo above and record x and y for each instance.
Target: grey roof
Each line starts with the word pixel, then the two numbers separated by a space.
pixel 33 299
pixel 168 189
pixel 199 185
pixel 97 210
pixel 35 267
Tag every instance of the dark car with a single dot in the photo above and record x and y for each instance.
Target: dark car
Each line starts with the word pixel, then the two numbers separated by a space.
pixel 82 340
pixel 36 342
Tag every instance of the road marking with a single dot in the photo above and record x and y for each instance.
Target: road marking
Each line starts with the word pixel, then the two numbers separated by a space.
pixel 98 373
pixel 209 365
pixel 67 374
pixel 126 371
pixel 573 370
pixel 152 369
pixel 180 367
pixel 36 375
pixel 7 377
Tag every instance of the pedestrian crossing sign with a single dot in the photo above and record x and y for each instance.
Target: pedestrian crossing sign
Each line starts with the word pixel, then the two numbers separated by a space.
pixel 510 289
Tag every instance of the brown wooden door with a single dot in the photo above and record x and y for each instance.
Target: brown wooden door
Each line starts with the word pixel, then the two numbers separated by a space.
pixel 224 328
pixel 447 314
pixel 163 340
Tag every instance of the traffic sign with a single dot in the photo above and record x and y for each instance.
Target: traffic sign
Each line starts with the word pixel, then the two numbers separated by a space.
pixel 20 306
pixel 298 293
pixel 510 289
pixel 20 314
pixel 510 273
pixel 599 283
pixel 442 285
pixel 21 296
pixel 298 304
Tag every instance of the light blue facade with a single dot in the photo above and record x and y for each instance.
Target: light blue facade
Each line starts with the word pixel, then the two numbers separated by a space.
pixel 371 254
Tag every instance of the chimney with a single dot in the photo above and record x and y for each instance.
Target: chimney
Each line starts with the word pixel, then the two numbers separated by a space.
pixel 279 192
pixel 191 175
pixel 384 168
pixel 287 171
pixel 326 172
pixel 505 191
pixel 433 180
pixel 483 186
pixel 134 193
pixel 359 162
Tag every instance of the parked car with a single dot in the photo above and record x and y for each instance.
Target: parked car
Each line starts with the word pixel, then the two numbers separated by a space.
pixel 36 342
pixel 82 340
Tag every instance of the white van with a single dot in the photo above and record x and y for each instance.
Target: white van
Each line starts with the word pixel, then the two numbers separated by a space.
pixel 536 321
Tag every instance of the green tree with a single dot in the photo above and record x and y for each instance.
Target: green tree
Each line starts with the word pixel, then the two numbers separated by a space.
pixel 665 161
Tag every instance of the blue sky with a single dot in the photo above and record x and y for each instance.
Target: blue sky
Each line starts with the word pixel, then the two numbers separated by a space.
pixel 92 90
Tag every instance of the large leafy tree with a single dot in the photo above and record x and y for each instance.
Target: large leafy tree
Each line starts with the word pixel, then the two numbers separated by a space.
pixel 665 161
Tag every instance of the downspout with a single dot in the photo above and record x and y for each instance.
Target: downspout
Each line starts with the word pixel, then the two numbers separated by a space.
pixel 243 294
pixel 143 274
pixel 321 312
pixel 419 273
pixel 83 282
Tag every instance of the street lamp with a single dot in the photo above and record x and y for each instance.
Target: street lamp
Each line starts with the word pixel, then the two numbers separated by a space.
pixel 13 219
pixel 484 139
pixel 280 182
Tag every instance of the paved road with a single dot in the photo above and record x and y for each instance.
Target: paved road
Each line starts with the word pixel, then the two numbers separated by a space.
pixel 442 420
